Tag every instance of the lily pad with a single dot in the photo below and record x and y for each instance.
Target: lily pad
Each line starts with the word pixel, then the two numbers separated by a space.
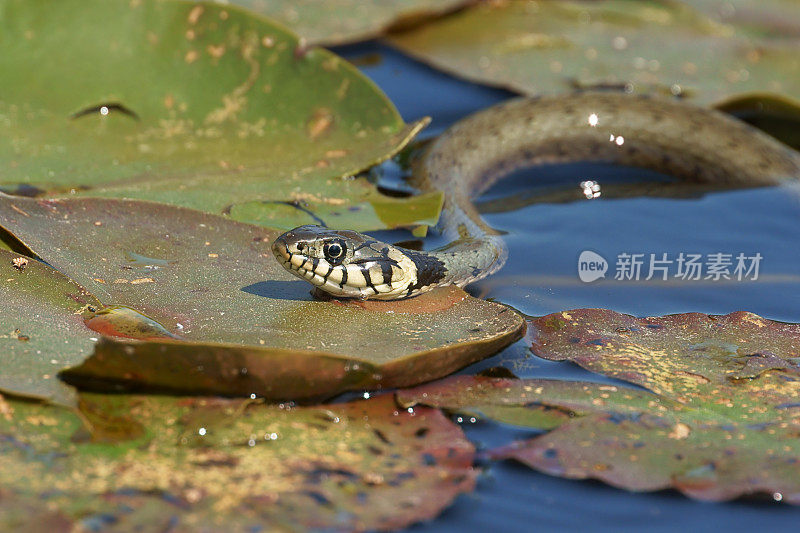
pixel 43 331
pixel 243 324
pixel 721 422
pixel 638 440
pixel 535 403
pixel 347 21
pixel 376 210
pixel 664 47
pixel 198 105
pixel 211 464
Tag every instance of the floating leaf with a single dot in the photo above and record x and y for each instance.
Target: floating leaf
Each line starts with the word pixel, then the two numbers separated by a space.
pixel 666 47
pixel 634 439
pixel 245 325
pixel 536 403
pixel 41 328
pixel 723 424
pixel 199 105
pixel 346 21
pixel 215 464
pixel 693 358
pixel 376 210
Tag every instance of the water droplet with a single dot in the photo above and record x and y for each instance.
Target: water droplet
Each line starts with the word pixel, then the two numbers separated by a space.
pixel 366 396
pixel 593 119
pixel 253 396
pixel 104 110
pixel 251 442
pixel 201 432
pixel 777 496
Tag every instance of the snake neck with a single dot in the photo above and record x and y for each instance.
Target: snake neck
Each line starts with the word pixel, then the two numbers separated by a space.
pixel 688 142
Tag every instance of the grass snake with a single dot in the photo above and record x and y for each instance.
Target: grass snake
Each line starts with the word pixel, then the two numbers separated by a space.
pixel 685 141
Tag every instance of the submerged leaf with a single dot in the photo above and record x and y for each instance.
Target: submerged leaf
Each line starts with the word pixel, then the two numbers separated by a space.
pixel 42 328
pixel 536 47
pixel 236 465
pixel 198 105
pixel 243 324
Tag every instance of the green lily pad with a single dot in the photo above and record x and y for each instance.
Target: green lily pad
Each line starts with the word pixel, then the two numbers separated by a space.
pixel 760 17
pixel 221 315
pixel 43 331
pixel 546 47
pixel 347 21
pixel 376 210
pixel 211 464
pixel 198 105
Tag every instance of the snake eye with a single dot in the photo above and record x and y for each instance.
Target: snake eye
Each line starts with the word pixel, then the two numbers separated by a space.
pixel 334 252
pixel 300 246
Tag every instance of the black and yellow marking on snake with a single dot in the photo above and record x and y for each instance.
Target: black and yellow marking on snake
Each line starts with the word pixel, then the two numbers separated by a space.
pixel 688 142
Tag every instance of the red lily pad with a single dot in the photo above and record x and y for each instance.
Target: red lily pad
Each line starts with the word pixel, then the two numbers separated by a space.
pixel 204 463
pixel 219 314
pixel 721 421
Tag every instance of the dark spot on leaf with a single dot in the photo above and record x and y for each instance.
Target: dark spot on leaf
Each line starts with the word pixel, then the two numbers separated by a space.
pixel 381 436
pixel 318 497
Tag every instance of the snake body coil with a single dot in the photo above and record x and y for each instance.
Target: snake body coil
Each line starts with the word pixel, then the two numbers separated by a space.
pixel 685 141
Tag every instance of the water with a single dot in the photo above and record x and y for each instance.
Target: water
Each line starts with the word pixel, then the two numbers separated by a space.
pixel 545 240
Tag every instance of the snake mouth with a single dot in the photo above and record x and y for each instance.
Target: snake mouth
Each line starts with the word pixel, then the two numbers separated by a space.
pixel 285 256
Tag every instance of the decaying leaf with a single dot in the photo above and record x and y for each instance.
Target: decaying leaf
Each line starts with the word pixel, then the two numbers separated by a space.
pixel 722 420
pixel 210 464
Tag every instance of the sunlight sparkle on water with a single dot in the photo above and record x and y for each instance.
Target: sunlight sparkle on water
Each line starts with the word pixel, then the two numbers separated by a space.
pixel 591 189
pixel 593 120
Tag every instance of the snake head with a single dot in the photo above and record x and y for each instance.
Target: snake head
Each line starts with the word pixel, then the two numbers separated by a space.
pixel 346 263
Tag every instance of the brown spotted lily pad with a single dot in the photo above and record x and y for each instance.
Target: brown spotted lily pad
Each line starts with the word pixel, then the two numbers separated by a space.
pixel 218 314
pixel 721 421
pixel 199 105
pixel 708 55
pixel 208 464
pixel 42 328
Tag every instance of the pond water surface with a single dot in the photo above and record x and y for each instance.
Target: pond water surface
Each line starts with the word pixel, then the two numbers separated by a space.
pixel 545 241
